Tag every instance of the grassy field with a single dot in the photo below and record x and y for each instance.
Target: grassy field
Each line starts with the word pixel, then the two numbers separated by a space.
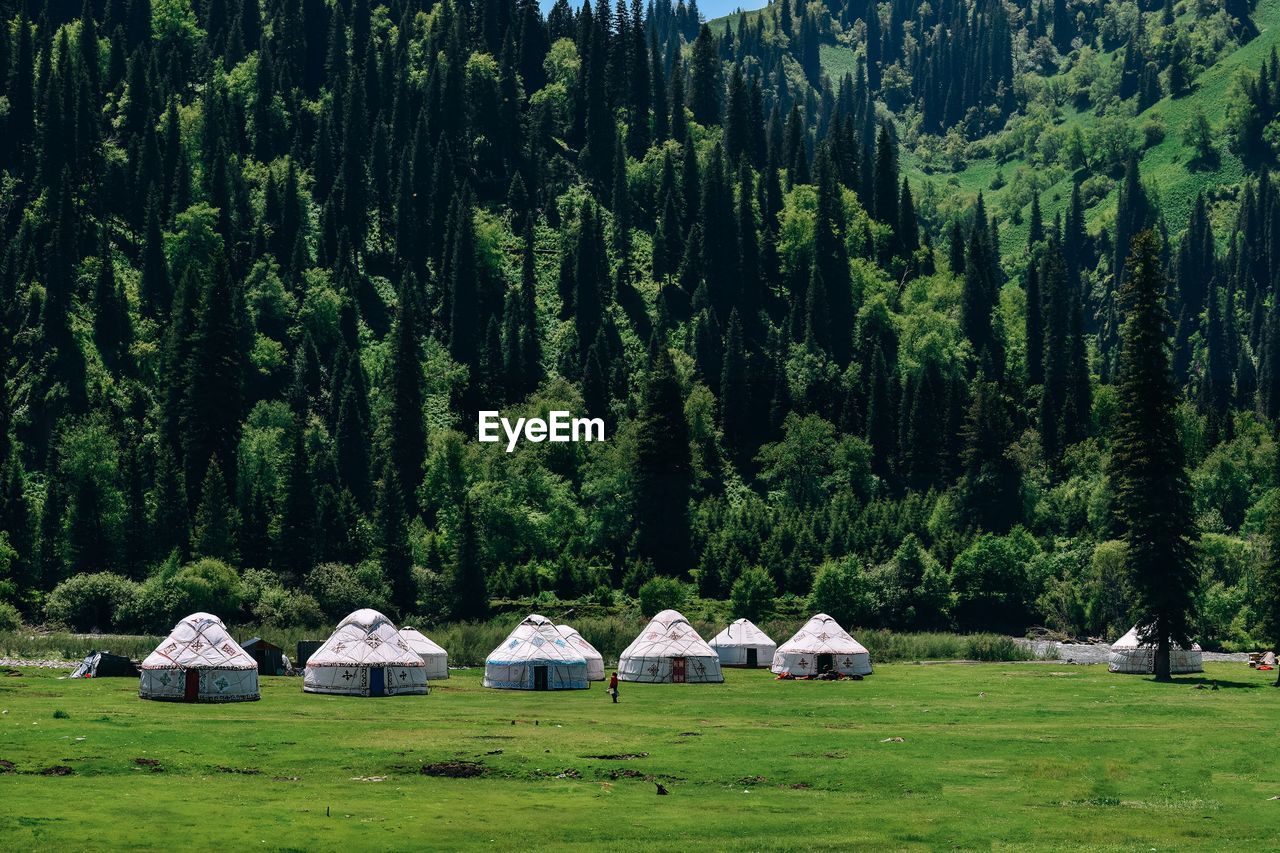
pixel 1020 755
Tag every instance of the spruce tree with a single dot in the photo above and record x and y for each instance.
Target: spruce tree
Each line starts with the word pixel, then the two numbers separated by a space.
pixel 662 474
pixel 1153 497
pixel 470 587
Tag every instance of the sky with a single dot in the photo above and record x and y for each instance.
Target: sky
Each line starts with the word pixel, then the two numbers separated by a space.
pixel 709 8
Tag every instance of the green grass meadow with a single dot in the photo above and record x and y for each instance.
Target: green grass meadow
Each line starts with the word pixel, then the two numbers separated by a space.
pixel 1036 755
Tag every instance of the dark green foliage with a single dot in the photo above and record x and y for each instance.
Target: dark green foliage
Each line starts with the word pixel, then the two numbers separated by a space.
pixel 1147 464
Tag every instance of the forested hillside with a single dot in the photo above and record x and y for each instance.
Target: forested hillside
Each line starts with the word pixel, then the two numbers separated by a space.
pixel 842 279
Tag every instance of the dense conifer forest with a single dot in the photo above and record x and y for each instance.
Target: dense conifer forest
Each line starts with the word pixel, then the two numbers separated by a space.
pixel 262 262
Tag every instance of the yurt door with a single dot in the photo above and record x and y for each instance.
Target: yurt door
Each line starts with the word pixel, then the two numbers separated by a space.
pixel 751 657
pixel 539 678
pixel 826 663
pixel 677 670
pixel 191 686
pixel 377 681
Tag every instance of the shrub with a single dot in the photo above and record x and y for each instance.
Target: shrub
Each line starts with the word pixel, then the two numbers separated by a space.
pixel 174 591
pixel 993 592
pixel 752 595
pixel 658 594
pixel 88 602
pixel 340 588
pixel 10 619
pixel 843 591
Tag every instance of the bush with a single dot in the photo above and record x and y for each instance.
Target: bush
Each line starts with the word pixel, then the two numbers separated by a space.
pixel 174 591
pixel 89 602
pixel 341 589
pixel 993 592
pixel 10 620
pixel 659 594
pixel 752 595
pixel 843 591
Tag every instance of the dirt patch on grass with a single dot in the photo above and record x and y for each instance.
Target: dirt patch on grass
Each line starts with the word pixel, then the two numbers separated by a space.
pixel 626 773
pixel 752 780
pixel 454 769
pixel 621 756
pixel 150 764
pixel 7 766
pixel 243 771
pixel 57 770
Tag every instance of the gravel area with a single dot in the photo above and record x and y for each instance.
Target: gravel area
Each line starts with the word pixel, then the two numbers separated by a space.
pixel 40 664
pixel 1084 653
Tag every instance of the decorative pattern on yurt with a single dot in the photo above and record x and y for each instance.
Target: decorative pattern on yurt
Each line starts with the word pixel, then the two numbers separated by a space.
pixel 435 658
pixel 199 662
pixel 365 656
pixel 1131 655
pixel 822 645
pixel 670 650
pixel 536 657
pixel 743 644
pixel 595 660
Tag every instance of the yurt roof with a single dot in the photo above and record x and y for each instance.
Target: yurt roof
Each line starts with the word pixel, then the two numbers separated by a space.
pixel 1131 641
pixel 741 632
pixel 199 641
pixel 575 639
pixel 535 638
pixel 822 635
pixel 669 634
pixel 365 638
pixel 421 643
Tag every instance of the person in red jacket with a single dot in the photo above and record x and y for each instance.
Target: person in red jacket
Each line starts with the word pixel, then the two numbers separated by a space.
pixel 613 687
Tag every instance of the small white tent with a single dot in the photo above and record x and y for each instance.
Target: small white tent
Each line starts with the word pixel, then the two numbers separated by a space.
pixel 822 646
pixel 536 657
pixel 743 644
pixel 595 660
pixel 436 658
pixel 1130 655
pixel 199 662
pixel 670 651
pixel 365 656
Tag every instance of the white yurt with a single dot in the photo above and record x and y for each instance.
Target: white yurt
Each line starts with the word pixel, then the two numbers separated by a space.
pixel 199 662
pixel 365 656
pixel 743 644
pixel 436 658
pixel 595 660
pixel 1131 655
pixel 821 646
pixel 536 657
pixel 670 651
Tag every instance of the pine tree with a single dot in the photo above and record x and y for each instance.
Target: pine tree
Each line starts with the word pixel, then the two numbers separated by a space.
pixel 1153 501
pixel 405 431
pixel 212 406
pixel 470 587
pixel 393 541
pixel 707 81
pixel 296 532
pixel 215 524
pixel 662 473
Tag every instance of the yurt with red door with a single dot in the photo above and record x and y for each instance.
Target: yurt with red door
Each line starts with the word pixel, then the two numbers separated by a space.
pixel 199 662
pixel 670 651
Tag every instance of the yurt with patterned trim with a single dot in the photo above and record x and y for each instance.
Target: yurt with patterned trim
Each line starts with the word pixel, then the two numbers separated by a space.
pixel 595 660
pixel 1132 656
pixel 670 651
pixel 199 662
pixel 743 644
pixel 436 658
pixel 536 657
pixel 365 656
pixel 821 646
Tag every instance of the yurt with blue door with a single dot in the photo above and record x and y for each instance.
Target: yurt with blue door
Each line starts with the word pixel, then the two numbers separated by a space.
pixel 199 662
pixel 366 656
pixel 535 656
